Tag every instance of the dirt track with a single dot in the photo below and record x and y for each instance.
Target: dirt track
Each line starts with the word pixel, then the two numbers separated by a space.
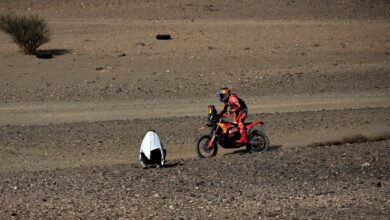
pixel 34 147
pixel 67 112
pixel 317 72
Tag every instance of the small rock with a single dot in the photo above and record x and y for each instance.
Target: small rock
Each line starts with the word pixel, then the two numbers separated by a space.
pixel 366 164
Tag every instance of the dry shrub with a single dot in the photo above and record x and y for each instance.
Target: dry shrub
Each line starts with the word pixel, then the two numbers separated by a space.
pixel 28 32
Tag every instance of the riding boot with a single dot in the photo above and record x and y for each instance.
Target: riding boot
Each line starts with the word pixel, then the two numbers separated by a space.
pixel 242 139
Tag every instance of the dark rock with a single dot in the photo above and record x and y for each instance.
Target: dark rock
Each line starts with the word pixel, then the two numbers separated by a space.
pixel 163 37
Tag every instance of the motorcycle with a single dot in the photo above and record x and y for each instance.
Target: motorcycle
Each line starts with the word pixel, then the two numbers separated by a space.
pixel 226 134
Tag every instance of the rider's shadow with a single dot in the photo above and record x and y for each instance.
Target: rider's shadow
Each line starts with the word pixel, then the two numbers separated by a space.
pixel 244 151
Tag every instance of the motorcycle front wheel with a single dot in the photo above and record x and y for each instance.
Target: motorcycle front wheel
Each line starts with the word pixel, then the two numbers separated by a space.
pixel 202 147
pixel 258 142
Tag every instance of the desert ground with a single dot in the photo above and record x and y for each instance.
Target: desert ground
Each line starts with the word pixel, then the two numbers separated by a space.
pixel 316 72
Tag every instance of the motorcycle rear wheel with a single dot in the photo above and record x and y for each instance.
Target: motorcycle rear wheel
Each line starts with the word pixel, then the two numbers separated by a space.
pixel 202 148
pixel 258 142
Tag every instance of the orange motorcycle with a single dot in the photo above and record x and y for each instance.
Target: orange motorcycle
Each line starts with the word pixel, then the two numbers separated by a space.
pixel 226 134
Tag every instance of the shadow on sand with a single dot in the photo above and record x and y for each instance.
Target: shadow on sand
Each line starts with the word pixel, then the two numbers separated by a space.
pixel 244 151
pixel 173 164
pixel 54 52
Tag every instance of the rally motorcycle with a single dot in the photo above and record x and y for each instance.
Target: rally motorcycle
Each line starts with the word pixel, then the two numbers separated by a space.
pixel 226 134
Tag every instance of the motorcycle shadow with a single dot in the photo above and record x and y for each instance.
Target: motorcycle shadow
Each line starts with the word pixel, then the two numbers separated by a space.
pixel 244 151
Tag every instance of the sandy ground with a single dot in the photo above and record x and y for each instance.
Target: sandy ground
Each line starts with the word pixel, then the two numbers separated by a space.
pixel 344 181
pixel 317 72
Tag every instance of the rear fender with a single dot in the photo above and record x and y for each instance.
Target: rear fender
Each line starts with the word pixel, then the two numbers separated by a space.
pixel 251 125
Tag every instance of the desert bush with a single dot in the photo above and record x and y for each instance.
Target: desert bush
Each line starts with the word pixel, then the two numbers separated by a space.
pixel 28 32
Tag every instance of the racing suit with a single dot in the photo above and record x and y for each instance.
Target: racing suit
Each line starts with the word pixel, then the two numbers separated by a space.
pixel 237 106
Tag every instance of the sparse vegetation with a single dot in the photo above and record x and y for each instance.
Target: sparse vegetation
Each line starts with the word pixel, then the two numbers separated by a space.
pixel 28 32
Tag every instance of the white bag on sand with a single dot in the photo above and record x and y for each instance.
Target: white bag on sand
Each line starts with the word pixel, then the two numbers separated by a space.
pixel 151 151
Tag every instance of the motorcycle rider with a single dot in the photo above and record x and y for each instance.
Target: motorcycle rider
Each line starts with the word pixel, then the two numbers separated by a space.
pixel 237 106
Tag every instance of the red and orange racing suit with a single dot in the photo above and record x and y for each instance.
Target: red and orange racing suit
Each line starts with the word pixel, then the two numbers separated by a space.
pixel 237 106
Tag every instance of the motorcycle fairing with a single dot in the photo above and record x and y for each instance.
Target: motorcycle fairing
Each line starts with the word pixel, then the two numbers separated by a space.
pixel 224 126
